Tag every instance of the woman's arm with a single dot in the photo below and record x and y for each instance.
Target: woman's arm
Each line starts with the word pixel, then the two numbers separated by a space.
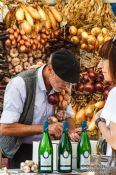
pixel 109 133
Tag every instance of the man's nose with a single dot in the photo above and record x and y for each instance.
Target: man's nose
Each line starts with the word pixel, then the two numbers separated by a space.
pixel 67 85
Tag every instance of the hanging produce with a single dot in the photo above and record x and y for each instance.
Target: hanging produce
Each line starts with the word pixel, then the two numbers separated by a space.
pixel 60 101
pixel 90 40
pixel 30 31
pixel 35 32
pixel 29 16
pixel 87 12
pixel 4 77
pixel 26 50
pixel 89 97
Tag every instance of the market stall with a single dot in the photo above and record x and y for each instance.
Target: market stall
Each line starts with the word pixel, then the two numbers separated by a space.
pixel 37 28
pixel 33 36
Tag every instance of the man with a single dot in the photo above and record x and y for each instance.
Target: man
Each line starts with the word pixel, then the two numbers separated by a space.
pixel 26 106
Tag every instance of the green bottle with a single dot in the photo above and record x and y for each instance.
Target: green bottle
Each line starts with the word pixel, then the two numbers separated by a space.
pixel 45 152
pixel 65 151
pixel 83 149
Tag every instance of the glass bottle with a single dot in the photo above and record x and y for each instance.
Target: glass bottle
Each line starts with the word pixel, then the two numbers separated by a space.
pixel 65 151
pixel 45 152
pixel 83 149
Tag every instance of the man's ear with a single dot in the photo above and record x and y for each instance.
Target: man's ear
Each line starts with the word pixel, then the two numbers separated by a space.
pixel 50 68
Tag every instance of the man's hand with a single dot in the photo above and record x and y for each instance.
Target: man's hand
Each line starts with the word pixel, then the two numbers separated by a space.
pixel 75 134
pixel 55 130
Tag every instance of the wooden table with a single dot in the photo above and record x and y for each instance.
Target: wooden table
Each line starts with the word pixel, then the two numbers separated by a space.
pixel 19 172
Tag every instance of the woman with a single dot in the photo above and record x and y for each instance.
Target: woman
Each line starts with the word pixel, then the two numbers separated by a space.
pixel 106 119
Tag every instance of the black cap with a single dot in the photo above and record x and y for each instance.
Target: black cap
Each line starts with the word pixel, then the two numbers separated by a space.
pixel 66 65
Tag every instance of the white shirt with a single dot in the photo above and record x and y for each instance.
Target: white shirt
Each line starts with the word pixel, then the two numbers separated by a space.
pixel 14 99
pixel 109 110
pixel 109 113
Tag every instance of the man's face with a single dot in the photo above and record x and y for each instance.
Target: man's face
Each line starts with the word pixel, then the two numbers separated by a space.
pixel 57 83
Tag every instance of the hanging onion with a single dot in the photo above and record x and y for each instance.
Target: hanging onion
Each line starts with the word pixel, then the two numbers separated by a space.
pixel 19 14
pixel 28 16
pixel 96 31
pixel 105 31
pixel 33 12
pixel 80 116
pixel 100 39
pixel 73 30
pixel 107 38
pixel 75 39
pixel 38 26
pixel 79 32
pixel 89 109
pixel 26 26
pixel 84 35
pixel 91 40
pixel 99 104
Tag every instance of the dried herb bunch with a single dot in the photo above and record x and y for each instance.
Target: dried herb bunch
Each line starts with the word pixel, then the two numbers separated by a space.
pixel 83 12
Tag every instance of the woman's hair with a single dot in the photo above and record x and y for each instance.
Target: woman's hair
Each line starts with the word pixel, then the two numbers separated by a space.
pixel 108 51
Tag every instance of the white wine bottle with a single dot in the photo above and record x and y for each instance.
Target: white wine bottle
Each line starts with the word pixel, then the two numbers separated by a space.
pixel 65 151
pixel 45 152
pixel 83 149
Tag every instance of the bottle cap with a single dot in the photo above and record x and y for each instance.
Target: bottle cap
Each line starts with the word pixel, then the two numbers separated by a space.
pixel 65 125
pixel 84 124
pixel 45 125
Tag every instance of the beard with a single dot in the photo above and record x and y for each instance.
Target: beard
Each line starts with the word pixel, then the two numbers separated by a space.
pixel 56 90
pixel 53 83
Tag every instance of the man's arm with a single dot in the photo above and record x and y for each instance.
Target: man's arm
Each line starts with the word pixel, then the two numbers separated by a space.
pixel 22 130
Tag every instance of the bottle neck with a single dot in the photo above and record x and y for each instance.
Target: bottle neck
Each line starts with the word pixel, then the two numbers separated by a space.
pixel 84 129
pixel 45 126
pixel 65 135
pixel 45 130
pixel 65 129
pixel 65 126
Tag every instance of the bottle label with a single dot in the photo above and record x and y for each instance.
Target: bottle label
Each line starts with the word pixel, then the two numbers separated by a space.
pixel 65 161
pixel 85 160
pixel 46 161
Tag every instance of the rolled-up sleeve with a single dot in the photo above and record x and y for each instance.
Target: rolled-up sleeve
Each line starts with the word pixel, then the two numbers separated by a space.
pixel 14 98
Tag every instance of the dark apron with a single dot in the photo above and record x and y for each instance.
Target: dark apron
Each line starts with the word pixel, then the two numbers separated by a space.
pixel 24 153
